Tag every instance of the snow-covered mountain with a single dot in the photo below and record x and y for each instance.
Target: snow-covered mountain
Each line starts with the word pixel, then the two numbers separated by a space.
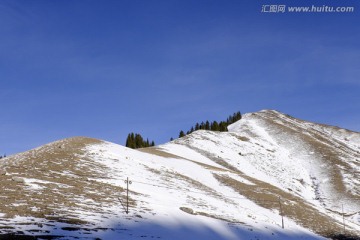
pixel 270 177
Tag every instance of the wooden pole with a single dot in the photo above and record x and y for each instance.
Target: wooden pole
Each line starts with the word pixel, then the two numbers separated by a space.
pixel 281 213
pixel 127 194
pixel 343 217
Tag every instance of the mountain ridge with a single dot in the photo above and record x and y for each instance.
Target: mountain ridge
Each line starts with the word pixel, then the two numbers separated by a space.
pixel 237 185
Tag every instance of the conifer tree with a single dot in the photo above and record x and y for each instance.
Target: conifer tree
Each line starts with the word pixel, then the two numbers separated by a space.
pixel 222 126
pixel 138 141
pixel 207 125
pixel 181 134
pixel 215 126
pixel 128 140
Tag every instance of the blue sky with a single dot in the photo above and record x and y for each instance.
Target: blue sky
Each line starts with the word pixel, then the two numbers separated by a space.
pixel 106 68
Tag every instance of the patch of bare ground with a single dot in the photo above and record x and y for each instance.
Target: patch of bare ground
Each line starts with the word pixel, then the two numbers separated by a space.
pixel 160 152
pixel 193 185
pixel 192 212
pixel 343 237
pixel 13 236
pixel 170 177
pixel 199 186
pixel 57 181
pixel 293 207
pixel 215 159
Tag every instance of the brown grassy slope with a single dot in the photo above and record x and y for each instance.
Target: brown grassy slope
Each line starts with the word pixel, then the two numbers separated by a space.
pixel 62 177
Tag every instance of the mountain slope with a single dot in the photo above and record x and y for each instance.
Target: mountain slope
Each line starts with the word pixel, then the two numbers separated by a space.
pixel 207 185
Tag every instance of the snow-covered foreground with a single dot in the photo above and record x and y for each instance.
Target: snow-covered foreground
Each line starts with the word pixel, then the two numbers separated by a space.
pixel 207 185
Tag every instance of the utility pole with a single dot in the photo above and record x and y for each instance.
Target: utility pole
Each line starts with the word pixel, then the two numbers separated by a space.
pixel 127 194
pixel 281 213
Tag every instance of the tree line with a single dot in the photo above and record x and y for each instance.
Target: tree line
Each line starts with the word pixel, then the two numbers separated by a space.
pixel 213 126
pixel 135 140
pixel 3 156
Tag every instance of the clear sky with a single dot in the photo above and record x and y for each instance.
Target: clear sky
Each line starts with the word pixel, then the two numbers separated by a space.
pixel 106 68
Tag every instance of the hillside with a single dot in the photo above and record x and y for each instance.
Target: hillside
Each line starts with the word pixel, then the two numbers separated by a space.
pixel 206 185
